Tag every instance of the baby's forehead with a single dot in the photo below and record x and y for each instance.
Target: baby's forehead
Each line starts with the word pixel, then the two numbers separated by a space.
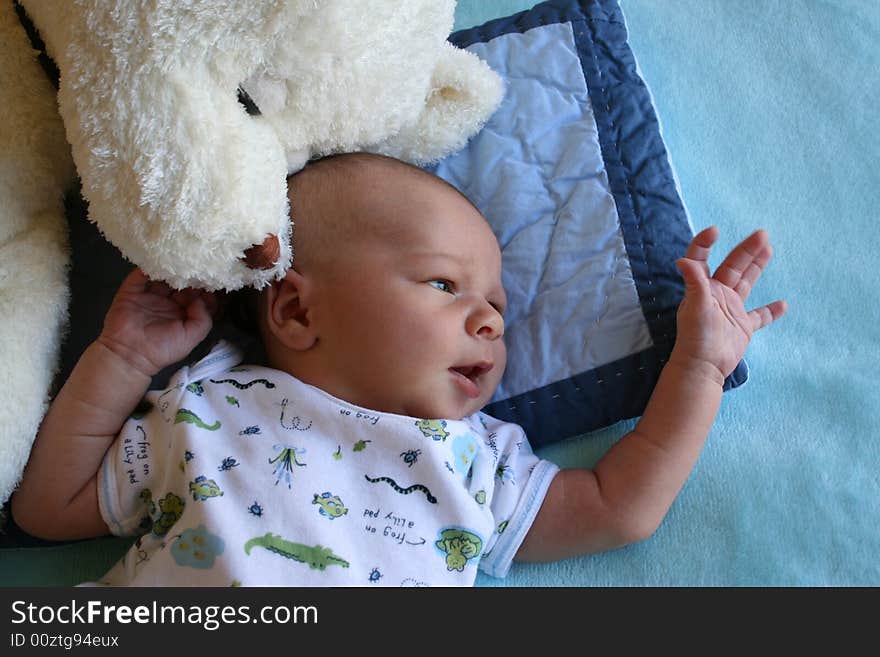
pixel 348 206
pixel 379 195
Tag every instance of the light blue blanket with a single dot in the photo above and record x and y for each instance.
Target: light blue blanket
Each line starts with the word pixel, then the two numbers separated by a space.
pixel 767 110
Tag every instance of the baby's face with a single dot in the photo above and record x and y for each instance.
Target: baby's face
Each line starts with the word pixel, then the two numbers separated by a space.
pixel 411 318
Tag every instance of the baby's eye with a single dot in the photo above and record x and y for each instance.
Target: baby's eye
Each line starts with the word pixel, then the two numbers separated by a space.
pixel 442 285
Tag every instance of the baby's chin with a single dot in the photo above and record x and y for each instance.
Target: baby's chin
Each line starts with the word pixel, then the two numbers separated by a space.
pixel 430 403
pixel 442 410
pixel 450 405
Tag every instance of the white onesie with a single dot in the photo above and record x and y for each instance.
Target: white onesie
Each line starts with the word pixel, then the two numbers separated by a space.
pixel 247 476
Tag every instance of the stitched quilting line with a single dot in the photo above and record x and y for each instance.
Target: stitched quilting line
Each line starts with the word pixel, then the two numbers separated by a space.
pixel 618 152
pixel 627 191
pixel 614 142
pixel 589 379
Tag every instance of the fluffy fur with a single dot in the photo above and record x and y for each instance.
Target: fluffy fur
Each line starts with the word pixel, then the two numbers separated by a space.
pixel 35 171
pixel 178 176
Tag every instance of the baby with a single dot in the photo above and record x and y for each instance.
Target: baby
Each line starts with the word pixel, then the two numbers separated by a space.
pixel 362 456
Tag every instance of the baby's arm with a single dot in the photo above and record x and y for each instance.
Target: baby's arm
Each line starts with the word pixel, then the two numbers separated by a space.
pixel 626 496
pixel 148 327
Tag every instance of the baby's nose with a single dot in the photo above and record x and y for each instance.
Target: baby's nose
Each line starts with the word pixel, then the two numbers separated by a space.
pixel 486 322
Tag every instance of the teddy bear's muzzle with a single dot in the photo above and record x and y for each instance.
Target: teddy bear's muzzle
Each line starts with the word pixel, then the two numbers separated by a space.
pixel 263 256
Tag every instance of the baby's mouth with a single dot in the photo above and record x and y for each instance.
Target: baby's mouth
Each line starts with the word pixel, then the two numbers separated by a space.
pixel 467 376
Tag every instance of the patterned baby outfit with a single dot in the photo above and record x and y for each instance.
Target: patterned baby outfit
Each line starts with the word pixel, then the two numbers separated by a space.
pixel 247 476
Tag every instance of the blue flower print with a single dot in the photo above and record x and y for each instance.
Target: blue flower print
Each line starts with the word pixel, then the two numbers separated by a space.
pixel 505 472
pixel 284 462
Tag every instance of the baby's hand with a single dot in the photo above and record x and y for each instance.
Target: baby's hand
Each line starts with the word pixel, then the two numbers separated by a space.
pixel 713 325
pixel 152 326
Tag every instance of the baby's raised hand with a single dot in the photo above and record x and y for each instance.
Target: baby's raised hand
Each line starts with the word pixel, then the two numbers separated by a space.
pixel 714 327
pixel 152 326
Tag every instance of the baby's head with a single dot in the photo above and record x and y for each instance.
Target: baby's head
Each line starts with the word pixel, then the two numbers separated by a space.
pixel 394 301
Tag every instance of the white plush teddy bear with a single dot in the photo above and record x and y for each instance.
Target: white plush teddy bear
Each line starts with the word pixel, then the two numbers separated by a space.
pixel 186 182
pixel 180 177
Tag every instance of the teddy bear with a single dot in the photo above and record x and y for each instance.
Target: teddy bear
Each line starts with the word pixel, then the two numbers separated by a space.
pixel 181 177
pixel 183 120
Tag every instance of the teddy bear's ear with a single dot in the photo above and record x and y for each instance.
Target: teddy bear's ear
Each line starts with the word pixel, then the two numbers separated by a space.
pixel 464 94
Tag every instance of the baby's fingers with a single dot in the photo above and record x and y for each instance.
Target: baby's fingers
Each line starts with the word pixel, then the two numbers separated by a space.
pixel 701 246
pixel 184 297
pixel 742 268
pixel 696 278
pixel 198 320
pixel 212 302
pixel 766 315
pixel 136 278
pixel 135 282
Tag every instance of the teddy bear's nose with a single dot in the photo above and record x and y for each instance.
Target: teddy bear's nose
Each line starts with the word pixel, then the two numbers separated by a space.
pixel 263 256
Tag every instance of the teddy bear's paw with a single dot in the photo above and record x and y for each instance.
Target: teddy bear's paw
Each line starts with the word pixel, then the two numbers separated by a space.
pixel 263 256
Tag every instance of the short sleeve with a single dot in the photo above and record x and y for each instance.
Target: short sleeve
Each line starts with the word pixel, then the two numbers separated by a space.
pixel 521 481
pixel 138 461
pixel 134 464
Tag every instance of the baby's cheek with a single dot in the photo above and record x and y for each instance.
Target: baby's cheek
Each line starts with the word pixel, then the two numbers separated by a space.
pixel 500 358
pixel 399 336
pixel 494 378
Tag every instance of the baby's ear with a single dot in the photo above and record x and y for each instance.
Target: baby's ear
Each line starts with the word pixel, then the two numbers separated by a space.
pixel 287 311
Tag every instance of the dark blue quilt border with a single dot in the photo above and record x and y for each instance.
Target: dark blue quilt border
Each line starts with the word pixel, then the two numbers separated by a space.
pixel 652 218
